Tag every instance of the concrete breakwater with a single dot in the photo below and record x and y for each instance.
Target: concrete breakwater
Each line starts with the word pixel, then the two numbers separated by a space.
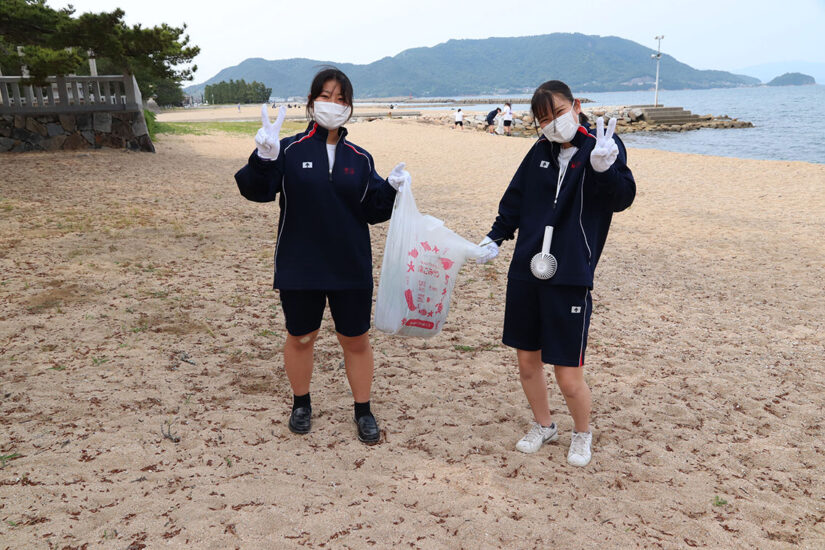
pixel 630 118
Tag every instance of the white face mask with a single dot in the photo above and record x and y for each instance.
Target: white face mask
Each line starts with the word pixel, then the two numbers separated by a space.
pixel 563 128
pixel 330 115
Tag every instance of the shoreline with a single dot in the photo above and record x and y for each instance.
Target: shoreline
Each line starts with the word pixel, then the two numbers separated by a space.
pixel 631 118
pixel 251 113
pixel 447 101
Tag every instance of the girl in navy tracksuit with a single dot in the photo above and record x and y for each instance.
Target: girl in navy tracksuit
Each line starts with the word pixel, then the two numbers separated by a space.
pixel 328 192
pixel 573 180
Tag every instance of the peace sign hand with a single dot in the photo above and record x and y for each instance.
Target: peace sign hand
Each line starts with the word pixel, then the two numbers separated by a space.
pixel 267 139
pixel 606 151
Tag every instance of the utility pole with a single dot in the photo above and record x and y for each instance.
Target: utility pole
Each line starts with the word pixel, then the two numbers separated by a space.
pixel 657 56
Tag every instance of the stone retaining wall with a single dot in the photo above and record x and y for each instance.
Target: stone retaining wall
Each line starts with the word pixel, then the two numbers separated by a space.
pixel 73 131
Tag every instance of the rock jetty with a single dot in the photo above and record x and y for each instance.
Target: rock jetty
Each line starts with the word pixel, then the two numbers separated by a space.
pixel 630 118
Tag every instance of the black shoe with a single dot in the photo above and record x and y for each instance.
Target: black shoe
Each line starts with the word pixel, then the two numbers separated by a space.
pixel 300 420
pixel 368 431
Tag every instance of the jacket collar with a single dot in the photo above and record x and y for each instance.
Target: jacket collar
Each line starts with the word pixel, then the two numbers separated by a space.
pixel 580 139
pixel 317 131
pixel 582 136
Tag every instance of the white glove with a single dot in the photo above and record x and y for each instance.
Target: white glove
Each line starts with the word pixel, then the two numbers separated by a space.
pixel 604 154
pixel 489 249
pixel 399 176
pixel 268 137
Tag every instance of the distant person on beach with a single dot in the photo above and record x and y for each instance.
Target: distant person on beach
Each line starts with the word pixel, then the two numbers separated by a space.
pixel 561 200
pixel 459 120
pixel 491 118
pixel 239 107
pixel 507 117
pixel 323 252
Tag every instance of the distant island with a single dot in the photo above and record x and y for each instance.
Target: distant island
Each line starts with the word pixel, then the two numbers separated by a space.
pixel 492 66
pixel 792 79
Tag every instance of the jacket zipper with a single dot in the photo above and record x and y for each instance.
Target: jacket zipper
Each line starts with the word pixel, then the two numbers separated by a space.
pixel 329 168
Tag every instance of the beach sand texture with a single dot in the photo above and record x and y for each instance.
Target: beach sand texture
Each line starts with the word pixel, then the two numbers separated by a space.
pixel 136 290
pixel 225 113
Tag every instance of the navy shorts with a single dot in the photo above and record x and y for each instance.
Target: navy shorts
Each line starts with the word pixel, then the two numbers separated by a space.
pixel 553 319
pixel 508 122
pixel 304 309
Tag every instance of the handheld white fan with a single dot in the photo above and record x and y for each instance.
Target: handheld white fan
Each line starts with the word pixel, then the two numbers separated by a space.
pixel 543 265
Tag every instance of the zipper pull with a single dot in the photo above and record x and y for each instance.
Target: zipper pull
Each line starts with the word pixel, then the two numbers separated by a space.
pixel 336 154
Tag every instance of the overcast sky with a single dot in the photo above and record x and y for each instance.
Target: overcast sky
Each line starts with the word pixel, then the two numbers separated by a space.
pixel 706 34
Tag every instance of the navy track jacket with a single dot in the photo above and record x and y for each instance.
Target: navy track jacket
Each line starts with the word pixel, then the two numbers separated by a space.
pixel 580 219
pixel 323 237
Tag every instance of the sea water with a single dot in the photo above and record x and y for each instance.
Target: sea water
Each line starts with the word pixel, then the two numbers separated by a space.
pixel 789 121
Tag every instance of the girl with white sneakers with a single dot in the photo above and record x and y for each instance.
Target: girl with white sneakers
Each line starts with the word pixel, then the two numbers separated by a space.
pixel 561 200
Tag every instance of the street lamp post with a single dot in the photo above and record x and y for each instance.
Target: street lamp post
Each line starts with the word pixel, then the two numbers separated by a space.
pixel 657 56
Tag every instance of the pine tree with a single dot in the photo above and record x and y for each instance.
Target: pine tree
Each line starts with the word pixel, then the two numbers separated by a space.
pixel 56 42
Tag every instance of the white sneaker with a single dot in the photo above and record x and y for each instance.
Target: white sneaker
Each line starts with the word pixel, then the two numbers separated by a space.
pixel 579 453
pixel 536 437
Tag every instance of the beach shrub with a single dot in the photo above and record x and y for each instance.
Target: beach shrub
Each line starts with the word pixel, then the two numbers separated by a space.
pixel 151 124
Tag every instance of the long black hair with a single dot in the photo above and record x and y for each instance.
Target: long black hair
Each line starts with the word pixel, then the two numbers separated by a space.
pixel 321 78
pixel 542 104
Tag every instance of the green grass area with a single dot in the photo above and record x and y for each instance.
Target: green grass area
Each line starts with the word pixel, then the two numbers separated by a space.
pixel 237 128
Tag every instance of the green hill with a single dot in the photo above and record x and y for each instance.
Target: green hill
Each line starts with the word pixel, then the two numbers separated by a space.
pixel 792 79
pixel 492 66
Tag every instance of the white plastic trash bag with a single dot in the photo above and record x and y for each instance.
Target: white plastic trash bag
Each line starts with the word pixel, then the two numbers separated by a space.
pixel 500 126
pixel 421 261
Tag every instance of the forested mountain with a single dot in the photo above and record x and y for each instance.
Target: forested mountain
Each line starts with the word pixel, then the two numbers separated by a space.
pixel 766 71
pixel 792 79
pixel 492 66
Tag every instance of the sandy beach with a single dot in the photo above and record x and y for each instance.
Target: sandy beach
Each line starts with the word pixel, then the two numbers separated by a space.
pixel 136 293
